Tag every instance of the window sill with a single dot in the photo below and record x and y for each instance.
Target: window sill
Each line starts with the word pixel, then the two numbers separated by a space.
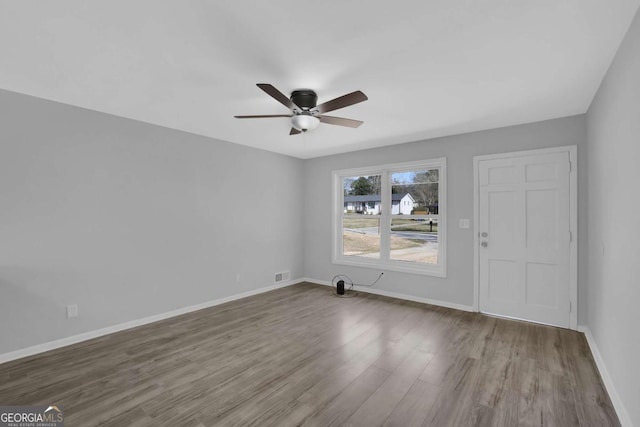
pixel 399 266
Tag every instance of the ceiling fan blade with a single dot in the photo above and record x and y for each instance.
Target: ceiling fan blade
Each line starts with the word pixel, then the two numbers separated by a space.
pixel 278 96
pixel 331 120
pixel 294 131
pixel 341 102
pixel 263 116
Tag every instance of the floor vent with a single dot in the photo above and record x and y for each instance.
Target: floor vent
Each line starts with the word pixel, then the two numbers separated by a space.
pixel 283 276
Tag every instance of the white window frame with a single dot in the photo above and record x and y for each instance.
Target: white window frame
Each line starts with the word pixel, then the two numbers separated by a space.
pixel 384 262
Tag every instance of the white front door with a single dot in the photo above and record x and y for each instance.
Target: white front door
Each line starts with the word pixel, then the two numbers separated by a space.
pixel 524 236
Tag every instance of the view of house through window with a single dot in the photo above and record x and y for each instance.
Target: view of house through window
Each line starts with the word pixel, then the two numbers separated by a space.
pixel 391 216
pixel 361 220
pixel 414 215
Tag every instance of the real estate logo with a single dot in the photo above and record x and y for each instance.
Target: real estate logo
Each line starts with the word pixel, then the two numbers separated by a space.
pixel 31 416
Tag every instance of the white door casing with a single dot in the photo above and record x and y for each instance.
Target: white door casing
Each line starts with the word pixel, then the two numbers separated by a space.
pixel 525 238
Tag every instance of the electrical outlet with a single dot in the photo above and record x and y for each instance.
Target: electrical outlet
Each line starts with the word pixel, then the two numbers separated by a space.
pixel 237 277
pixel 72 311
pixel 465 223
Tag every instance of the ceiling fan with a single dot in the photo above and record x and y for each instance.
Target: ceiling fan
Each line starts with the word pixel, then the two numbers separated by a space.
pixel 305 114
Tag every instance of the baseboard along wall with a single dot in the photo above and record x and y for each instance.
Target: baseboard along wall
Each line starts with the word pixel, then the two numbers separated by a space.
pixel 621 410
pixel 371 290
pixel 74 339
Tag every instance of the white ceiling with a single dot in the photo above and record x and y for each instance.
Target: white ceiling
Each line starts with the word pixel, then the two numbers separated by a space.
pixel 430 67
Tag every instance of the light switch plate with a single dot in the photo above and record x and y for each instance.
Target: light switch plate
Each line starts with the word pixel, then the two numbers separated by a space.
pixel 465 223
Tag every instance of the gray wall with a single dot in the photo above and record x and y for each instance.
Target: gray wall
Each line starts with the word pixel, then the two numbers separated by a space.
pixel 129 220
pixel 459 151
pixel 614 217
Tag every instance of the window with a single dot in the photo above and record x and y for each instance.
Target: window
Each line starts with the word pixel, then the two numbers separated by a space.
pixel 392 217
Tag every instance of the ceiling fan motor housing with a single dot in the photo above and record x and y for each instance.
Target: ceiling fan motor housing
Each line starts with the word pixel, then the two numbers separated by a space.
pixel 304 98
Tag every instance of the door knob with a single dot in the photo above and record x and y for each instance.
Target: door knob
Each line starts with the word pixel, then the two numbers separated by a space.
pixel 484 244
pixel 484 234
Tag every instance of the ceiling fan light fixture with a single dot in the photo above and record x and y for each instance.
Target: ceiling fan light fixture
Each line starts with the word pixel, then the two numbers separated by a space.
pixel 304 122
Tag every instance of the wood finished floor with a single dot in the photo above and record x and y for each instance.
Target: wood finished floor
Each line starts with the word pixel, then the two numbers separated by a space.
pixel 300 356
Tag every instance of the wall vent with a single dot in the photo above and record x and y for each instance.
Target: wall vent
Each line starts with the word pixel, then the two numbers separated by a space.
pixel 283 276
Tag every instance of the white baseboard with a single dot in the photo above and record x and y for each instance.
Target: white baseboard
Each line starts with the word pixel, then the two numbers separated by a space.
pixel 623 415
pixel 399 296
pixel 63 342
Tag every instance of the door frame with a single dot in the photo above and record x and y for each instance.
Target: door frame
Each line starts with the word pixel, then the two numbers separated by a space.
pixel 573 222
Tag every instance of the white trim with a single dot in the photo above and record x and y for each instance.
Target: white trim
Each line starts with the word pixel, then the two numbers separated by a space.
pixel 534 152
pixel 384 170
pixel 369 290
pixel 74 339
pixel 476 235
pixel 623 415
pixel 573 229
pixel 573 222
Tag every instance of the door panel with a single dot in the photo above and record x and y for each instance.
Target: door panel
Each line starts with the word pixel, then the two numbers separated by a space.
pixel 503 276
pixel 545 277
pixel 524 210
pixel 542 230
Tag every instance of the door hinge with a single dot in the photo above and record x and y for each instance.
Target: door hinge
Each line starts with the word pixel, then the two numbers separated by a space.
pixel 570 166
pixel 570 236
pixel 570 306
